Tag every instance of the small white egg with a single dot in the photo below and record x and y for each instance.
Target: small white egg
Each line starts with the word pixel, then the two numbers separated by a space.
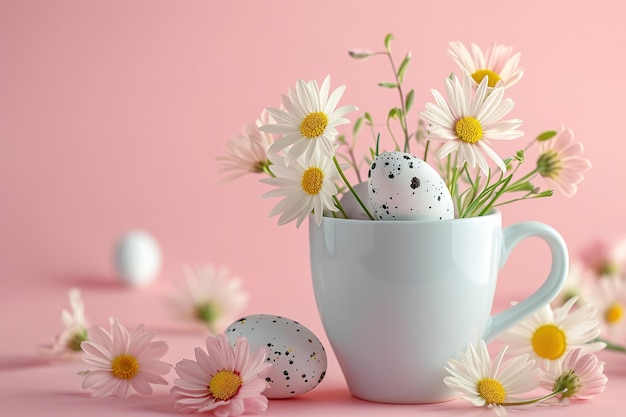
pixel 298 356
pixel 138 258
pixel 404 187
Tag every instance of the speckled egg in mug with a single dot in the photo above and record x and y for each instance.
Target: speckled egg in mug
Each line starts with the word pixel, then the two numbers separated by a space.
pixel 297 354
pixel 404 187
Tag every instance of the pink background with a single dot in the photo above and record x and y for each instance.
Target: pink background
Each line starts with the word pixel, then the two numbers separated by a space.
pixel 112 114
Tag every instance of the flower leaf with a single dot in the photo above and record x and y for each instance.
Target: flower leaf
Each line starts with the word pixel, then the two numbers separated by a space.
pixel 388 40
pixel 388 85
pixel 408 102
pixel 359 53
pixel 357 126
pixel 394 113
pixel 369 119
pixel 403 66
pixel 523 186
pixel 547 135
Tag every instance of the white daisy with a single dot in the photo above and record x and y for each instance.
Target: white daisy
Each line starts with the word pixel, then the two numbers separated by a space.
pixel 498 64
pixel 247 152
pixel 211 296
pixel 561 162
pixel 609 297
pixel 492 384
pixel 582 375
pixel 308 186
pixel 548 335
pixel 467 121
pixel 309 121
pixel 67 343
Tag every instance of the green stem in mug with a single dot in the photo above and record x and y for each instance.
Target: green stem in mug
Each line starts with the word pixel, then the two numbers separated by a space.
pixel 356 196
pixel 340 207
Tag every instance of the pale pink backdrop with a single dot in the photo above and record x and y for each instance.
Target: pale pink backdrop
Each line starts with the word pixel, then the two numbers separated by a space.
pixel 112 114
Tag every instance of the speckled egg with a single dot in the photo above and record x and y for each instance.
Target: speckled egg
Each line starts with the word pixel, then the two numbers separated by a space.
pixel 297 354
pixel 403 187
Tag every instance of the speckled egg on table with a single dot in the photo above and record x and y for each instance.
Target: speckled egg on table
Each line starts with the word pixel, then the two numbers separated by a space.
pixel 404 187
pixel 297 354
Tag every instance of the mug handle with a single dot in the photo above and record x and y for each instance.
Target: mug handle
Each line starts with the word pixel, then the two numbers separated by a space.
pixel 512 235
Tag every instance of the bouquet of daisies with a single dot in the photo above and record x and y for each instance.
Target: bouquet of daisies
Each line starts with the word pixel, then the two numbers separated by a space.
pixel 305 158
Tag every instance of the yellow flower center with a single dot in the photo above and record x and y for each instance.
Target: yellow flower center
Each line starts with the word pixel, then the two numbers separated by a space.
pixel 313 125
pixel 468 129
pixel 549 342
pixel 491 391
pixel 493 77
pixel 613 313
pixel 312 180
pixel 124 367
pixel 225 385
pixel 549 164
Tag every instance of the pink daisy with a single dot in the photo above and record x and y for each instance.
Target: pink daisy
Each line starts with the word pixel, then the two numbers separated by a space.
pixel 561 162
pixel 124 360
pixel 222 380
pixel 582 375
pixel 247 152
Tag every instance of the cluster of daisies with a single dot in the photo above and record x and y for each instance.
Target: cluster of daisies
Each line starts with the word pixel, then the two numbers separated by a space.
pixel 554 350
pixel 223 379
pixel 298 145
pixel 556 347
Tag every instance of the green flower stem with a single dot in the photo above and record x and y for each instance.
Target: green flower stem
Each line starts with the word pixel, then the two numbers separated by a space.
pixel 448 168
pixel 536 400
pixel 426 150
pixel 525 178
pixel 453 181
pixel 354 164
pixel 393 137
pixel 470 193
pixel 611 346
pixel 482 197
pixel 356 196
pixel 339 206
pixel 501 191
pixel 526 196
pixel 403 122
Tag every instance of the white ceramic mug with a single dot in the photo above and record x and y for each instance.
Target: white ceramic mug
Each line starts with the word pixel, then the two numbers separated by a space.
pixel 398 299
